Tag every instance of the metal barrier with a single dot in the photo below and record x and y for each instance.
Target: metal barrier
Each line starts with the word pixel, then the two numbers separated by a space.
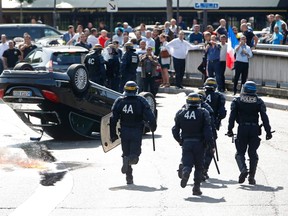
pixel 268 67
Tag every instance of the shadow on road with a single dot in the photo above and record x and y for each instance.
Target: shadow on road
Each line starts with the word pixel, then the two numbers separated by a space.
pixel 261 188
pixel 205 199
pixel 217 183
pixel 62 145
pixel 149 136
pixel 134 187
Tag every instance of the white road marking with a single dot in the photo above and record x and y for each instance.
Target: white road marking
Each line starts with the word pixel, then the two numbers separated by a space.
pixel 45 198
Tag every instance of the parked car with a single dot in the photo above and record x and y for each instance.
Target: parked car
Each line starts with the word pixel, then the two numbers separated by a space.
pixel 36 31
pixel 54 58
pixel 65 105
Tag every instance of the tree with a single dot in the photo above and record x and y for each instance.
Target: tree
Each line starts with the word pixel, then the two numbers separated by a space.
pixel 21 11
pixel 169 10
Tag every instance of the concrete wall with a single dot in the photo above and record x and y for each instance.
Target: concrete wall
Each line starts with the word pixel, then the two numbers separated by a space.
pixel 266 66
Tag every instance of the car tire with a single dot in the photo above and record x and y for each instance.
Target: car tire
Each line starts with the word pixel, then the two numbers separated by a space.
pixel 23 66
pixel 152 102
pixel 78 78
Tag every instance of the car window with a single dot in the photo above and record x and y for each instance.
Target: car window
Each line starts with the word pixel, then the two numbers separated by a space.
pixel 37 58
pixel 67 58
pixel 50 32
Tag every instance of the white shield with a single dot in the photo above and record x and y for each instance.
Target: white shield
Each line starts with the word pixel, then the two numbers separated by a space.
pixel 105 134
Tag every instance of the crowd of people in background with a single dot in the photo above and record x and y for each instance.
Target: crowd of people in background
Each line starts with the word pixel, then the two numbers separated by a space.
pixel 161 46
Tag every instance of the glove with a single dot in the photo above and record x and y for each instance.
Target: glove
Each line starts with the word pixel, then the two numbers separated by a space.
pixel 153 127
pixel 212 151
pixel 217 124
pixel 268 136
pixel 230 133
pixel 180 142
pixel 114 138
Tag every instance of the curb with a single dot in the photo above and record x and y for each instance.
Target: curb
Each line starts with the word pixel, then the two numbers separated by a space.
pixel 281 104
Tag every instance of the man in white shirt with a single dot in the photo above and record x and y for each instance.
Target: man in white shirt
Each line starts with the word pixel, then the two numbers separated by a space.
pixel 3 46
pixel 139 52
pixel 92 39
pixel 243 53
pixel 173 27
pixel 178 48
pixel 119 36
pixel 149 40
pixel 223 53
pixel 75 37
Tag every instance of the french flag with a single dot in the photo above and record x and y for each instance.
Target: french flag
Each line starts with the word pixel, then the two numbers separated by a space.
pixel 232 43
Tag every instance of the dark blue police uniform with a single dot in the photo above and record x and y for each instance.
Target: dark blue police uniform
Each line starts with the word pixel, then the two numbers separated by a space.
pixel 191 130
pixel 245 110
pixel 94 62
pixel 216 100
pixel 129 64
pixel 132 111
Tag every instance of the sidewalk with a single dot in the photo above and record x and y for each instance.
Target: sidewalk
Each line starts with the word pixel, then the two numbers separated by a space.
pixel 271 102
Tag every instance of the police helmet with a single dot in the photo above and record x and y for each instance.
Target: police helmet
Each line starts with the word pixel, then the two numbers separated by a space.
pixel 210 83
pixel 193 100
pixel 97 47
pixel 129 46
pixel 130 88
pixel 249 87
pixel 202 95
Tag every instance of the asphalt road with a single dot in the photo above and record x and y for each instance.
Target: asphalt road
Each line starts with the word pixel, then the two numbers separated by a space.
pixel 78 178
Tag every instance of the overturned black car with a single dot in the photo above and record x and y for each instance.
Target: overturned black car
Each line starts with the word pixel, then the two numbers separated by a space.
pixel 65 105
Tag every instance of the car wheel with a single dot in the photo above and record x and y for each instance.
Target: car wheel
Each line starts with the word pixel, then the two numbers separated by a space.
pixel 78 78
pixel 152 102
pixel 23 66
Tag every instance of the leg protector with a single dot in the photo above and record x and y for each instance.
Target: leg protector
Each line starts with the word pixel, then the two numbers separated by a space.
pixel 196 189
pixel 125 165
pixel 179 171
pixel 185 176
pixel 129 176
pixel 252 171
pixel 242 167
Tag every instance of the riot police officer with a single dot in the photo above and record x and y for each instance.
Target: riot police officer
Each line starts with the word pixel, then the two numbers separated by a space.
pixel 207 150
pixel 245 110
pixel 94 62
pixel 191 130
pixel 129 64
pixel 217 101
pixel 132 110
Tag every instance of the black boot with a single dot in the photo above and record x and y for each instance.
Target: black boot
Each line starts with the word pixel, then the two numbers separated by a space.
pixel 185 178
pixel 180 170
pixel 252 171
pixel 125 165
pixel 129 176
pixel 242 176
pixel 196 189
pixel 242 167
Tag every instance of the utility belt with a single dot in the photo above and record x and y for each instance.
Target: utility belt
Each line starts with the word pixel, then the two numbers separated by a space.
pixel 192 139
pixel 139 124
pixel 248 124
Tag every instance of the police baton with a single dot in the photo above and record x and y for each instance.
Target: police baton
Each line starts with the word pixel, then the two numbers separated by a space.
pixel 216 150
pixel 216 165
pixel 153 139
